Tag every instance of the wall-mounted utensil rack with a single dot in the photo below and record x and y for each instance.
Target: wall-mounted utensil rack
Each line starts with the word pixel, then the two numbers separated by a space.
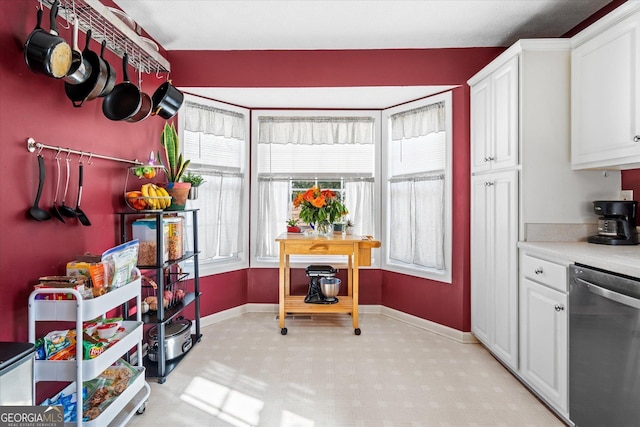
pixel 33 145
pixel 120 38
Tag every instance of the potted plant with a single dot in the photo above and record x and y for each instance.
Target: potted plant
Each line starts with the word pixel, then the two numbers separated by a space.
pixel 292 226
pixel 349 226
pixel 174 166
pixel 196 180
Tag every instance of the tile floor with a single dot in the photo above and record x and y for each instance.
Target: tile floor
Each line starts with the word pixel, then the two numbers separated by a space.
pixel 245 373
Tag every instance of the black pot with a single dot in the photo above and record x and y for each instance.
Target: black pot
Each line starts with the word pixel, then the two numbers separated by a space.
pixel 125 100
pixel 111 73
pixel 90 88
pixel 167 100
pixel 46 52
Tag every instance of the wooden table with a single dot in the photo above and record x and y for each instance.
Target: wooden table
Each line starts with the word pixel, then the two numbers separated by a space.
pixel 356 248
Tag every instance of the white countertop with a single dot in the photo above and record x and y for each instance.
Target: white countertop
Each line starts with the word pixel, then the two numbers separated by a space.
pixel 619 259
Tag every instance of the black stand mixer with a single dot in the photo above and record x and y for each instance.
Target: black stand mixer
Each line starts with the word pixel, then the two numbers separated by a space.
pixel 617 222
pixel 318 274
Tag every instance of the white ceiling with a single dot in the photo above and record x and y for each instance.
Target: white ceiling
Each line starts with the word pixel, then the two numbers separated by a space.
pixel 347 24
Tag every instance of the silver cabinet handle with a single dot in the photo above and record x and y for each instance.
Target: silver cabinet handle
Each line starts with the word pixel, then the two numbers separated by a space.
pixel 538 270
pixel 491 158
pixel 559 307
pixel 488 183
pixel 636 138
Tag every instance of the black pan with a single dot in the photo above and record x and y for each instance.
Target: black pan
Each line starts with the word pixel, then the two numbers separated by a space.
pixel 111 73
pixel 125 100
pixel 167 100
pixel 90 88
pixel 46 52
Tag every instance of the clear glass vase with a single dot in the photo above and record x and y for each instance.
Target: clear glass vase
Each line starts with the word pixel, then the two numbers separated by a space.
pixel 323 228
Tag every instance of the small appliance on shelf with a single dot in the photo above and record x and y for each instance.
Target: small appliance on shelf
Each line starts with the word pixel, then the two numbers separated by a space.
pixel 616 222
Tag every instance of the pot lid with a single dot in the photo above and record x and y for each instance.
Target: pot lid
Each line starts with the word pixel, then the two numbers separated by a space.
pixel 174 328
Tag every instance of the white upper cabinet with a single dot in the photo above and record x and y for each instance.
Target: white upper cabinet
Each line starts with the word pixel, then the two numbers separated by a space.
pixel 605 92
pixel 494 119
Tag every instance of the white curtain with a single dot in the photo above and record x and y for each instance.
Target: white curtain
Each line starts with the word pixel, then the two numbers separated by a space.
pixel 315 130
pixel 417 221
pixel 273 211
pixel 219 230
pixel 359 203
pixel 429 223
pixel 419 122
pixel 213 121
pixel 401 221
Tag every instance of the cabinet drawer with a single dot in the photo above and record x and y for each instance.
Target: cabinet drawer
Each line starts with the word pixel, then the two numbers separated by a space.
pixel 545 272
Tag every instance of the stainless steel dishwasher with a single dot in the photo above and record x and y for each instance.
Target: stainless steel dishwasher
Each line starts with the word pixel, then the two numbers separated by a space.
pixel 604 348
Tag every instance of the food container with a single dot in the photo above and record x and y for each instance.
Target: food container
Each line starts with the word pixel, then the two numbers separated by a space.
pixel 177 340
pixel 176 236
pixel 145 231
pixel 107 330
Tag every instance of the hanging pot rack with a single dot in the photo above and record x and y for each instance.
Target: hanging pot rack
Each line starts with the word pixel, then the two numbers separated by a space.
pixel 120 38
pixel 33 145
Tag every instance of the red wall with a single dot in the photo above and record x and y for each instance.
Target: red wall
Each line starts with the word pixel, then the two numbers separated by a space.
pixel 447 304
pixel 32 105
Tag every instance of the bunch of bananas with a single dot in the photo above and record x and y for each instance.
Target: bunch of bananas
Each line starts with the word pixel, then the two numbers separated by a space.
pixel 156 197
pixel 150 197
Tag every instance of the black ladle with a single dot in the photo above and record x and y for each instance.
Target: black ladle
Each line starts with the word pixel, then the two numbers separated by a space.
pixel 54 209
pixel 81 215
pixel 37 212
pixel 64 209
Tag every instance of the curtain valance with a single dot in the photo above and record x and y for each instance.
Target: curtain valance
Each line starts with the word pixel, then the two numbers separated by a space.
pixel 419 122
pixel 316 130
pixel 213 121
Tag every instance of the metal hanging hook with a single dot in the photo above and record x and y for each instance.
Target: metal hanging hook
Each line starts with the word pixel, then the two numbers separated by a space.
pixel 81 156
pixel 40 149
pixel 68 153
pixel 66 16
pixel 57 153
pixel 89 162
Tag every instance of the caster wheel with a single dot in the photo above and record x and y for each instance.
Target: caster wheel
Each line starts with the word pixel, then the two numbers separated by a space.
pixel 283 331
pixel 141 409
pixel 357 331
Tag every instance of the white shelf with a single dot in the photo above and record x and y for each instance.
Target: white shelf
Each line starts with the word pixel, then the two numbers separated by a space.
pixel 122 408
pixel 68 310
pixel 65 370
pixel 79 310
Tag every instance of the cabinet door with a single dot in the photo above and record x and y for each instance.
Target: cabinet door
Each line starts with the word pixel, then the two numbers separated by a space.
pixel 494 119
pixel 605 93
pixel 543 338
pixel 504 238
pixel 481 125
pixel 505 115
pixel 481 291
pixel 494 236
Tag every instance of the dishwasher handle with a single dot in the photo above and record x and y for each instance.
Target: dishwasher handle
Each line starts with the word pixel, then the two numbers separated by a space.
pixel 606 293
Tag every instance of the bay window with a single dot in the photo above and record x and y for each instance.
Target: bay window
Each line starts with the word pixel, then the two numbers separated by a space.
pixel 214 138
pixel 417 170
pixel 293 150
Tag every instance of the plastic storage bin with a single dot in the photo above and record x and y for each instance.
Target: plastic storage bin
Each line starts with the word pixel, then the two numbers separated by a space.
pixel 176 236
pixel 145 231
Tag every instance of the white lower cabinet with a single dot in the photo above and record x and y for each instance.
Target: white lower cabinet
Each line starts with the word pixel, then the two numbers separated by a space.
pixel 543 330
pixel 494 292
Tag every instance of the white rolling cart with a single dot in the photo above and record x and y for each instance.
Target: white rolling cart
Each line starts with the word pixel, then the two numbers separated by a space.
pixel 133 399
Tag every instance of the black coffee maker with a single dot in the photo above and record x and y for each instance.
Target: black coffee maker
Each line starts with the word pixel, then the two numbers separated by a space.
pixel 616 222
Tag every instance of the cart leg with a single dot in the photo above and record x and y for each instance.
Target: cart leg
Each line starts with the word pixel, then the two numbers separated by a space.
pixel 283 331
pixel 357 331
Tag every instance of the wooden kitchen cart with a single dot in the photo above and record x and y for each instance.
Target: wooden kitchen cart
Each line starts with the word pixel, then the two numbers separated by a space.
pixel 356 248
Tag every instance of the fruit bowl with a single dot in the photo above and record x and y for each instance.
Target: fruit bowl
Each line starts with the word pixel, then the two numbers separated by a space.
pixel 136 201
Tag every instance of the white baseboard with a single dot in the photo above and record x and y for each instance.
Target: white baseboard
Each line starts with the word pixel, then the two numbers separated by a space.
pixel 445 331
pixel 436 328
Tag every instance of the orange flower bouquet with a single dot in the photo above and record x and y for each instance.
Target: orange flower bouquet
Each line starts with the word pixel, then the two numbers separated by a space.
pixel 319 208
